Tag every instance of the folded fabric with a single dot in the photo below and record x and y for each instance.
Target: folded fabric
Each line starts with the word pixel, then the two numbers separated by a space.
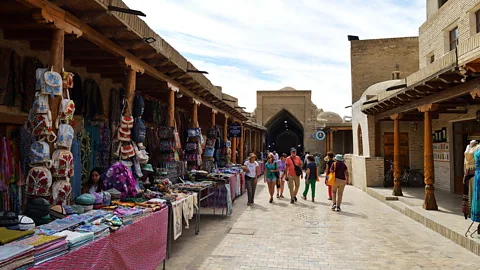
pixel 92 228
pixel 40 241
pixel 59 225
pixel 10 251
pixel 17 263
pixel 7 236
pixel 74 237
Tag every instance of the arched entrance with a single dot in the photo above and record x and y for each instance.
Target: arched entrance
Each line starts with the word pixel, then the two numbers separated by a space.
pixel 284 131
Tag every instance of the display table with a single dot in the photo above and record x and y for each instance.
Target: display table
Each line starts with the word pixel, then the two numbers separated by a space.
pixel 140 245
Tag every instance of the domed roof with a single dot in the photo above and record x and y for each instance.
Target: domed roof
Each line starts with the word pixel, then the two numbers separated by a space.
pixel 380 87
pixel 329 117
pixel 288 88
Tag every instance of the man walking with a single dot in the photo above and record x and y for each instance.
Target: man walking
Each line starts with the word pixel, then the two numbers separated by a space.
pixel 294 173
pixel 275 156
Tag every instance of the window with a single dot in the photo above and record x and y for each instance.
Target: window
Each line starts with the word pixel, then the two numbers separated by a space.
pixel 453 34
pixel 360 140
pixel 432 58
pixel 441 3
pixel 477 21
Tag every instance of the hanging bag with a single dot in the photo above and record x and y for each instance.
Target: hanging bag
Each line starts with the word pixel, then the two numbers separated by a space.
pixel 67 110
pixel 141 155
pixel 61 191
pixel 40 104
pixel 62 163
pixel 298 170
pixel 139 130
pixel 52 83
pixel 40 153
pixel 65 136
pixel 126 121
pixel 138 106
pixel 331 175
pixel 39 181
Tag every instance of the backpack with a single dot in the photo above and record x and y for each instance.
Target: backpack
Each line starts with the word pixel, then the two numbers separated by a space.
pixel 138 106
pixel 118 176
pixel 139 131
pixel 65 136
pixel 165 132
pixel 39 181
pixel 49 82
pixel 125 151
pixel 40 153
pixel 124 134
pixel 62 163
pixel 40 103
pixel 42 124
pixel 61 191
pixel 194 132
pixel 66 110
pixel 209 151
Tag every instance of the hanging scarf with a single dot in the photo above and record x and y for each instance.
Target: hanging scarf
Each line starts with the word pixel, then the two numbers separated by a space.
pixel 5 166
pixel 85 153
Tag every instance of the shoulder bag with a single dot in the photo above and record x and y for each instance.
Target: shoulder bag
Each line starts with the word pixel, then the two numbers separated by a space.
pixel 331 176
pixel 298 170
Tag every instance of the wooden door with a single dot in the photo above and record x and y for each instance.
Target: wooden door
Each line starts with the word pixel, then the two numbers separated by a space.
pixel 404 151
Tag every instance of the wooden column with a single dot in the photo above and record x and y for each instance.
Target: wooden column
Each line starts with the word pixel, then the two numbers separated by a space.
pixel 225 129
pixel 429 202
pixel 397 188
pixel 195 115
pixel 242 144
pixel 57 58
pixel 234 150
pixel 130 83
pixel 250 145
pixel 213 117
pixel 171 108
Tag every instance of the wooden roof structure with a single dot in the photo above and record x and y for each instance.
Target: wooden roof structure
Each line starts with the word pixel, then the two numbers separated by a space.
pixel 108 42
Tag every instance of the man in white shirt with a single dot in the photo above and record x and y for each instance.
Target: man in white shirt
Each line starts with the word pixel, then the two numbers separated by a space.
pixel 275 156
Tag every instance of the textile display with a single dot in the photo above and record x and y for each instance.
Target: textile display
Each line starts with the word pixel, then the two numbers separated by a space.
pixel 239 183
pixel 188 210
pixel 177 208
pixel 120 250
pixel 233 184
pixel 475 212
pixel 229 200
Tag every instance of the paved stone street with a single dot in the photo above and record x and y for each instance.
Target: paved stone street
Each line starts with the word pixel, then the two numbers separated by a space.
pixel 366 235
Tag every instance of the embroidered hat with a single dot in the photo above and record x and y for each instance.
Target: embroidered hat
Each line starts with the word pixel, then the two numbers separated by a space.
pixel 148 167
pixel 26 223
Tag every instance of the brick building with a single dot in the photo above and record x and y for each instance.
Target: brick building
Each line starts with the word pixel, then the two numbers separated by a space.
pixel 428 115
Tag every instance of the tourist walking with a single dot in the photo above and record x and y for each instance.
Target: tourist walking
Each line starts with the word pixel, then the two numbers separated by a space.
pixel 341 179
pixel 251 175
pixel 294 173
pixel 281 170
pixel 317 162
pixel 271 176
pixel 329 161
pixel 275 156
pixel 311 177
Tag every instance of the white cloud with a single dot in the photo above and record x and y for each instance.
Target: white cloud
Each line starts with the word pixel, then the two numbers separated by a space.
pixel 266 45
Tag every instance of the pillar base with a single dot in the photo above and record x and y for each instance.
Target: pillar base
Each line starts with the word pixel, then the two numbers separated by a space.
pixel 397 188
pixel 430 203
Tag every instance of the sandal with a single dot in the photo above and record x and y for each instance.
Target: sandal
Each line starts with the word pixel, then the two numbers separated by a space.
pixel 271 200
pixel 278 196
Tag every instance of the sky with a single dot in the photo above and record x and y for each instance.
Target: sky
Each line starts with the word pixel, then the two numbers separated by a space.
pixel 250 45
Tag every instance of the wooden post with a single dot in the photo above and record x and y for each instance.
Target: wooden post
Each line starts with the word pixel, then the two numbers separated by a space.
pixel 195 115
pixel 213 117
pixel 56 62
pixel 429 202
pixel 397 187
pixel 171 108
pixel 242 143
pixel 250 145
pixel 234 150
pixel 130 89
pixel 225 129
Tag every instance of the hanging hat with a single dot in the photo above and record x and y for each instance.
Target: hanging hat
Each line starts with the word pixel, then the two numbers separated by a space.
pixel 339 157
pixel 148 167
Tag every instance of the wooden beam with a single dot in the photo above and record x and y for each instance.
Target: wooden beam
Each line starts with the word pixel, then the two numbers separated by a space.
pixel 98 62
pixel 145 54
pixel 95 54
pixel 158 61
pixel 108 70
pixel 131 44
pixel 453 92
pixel 92 15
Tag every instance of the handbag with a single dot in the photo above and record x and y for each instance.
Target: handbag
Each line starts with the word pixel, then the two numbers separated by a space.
pixel 331 176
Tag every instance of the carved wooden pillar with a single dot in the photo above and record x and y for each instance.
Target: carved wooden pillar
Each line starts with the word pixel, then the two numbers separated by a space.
pixel 429 203
pixel 171 108
pixel 195 115
pixel 213 117
pixel 130 82
pixel 225 130
pixel 397 188
pixel 234 150
pixel 56 62
pixel 242 144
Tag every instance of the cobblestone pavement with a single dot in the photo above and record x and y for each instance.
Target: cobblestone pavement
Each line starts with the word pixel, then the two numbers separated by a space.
pixel 366 235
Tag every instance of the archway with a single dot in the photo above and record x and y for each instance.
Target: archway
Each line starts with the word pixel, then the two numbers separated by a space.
pixel 284 131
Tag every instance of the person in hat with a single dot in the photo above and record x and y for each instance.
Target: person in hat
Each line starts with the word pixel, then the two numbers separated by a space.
pixel 293 175
pixel 250 167
pixel 341 179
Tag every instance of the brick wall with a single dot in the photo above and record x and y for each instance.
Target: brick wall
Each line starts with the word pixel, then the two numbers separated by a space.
pixel 433 37
pixel 373 61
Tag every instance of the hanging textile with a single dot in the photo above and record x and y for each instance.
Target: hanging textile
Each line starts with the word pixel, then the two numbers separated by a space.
pixel 475 212
pixel 5 166
pixel 93 101
pixel 76 180
pixel 85 154
pixel 177 208
pixel 94 134
pixel 30 65
pixel 78 95
pixel 25 141
pixel 103 157
pixel 115 106
pixel 14 81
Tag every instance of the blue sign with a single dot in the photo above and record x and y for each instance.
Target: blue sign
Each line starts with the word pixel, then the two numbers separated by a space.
pixel 320 135
pixel 235 130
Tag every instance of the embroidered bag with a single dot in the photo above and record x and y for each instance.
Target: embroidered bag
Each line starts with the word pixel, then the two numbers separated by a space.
pixel 40 153
pixel 61 191
pixel 167 146
pixel 40 104
pixel 124 134
pixel 39 181
pixel 165 132
pixel 67 80
pixel 178 143
pixel 52 83
pixel 125 151
pixel 141 155
pixel 209 151
pixel 118 176
pixel 126 121
pixel 42 125
pixel 191 146
pixel 65 136
pixel 194 132
pixel 40 79
pixel 66 111
pixel 139 131
pixel 62 163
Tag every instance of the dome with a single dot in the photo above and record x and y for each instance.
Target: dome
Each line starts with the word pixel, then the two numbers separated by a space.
pixel 288 88
pixel 380 87
pixel 329 117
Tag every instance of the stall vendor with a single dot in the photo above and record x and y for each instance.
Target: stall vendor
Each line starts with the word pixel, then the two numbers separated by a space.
pixel 93 184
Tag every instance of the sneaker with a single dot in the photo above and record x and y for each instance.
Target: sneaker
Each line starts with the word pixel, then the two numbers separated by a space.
pixel 278 196
pixel 338 209
pixel 295 198
pixel 281 196
pixel 292 201
pixel 333 207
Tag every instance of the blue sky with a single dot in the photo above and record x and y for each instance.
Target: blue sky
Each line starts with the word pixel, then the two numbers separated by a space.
pixel 266 45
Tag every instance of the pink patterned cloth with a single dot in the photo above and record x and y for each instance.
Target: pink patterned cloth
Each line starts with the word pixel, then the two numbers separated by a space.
pixel 141 245
pixel 233 186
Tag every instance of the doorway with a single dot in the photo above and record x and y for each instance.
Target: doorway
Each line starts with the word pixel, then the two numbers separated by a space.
pixel 404 151
pixel 463 133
